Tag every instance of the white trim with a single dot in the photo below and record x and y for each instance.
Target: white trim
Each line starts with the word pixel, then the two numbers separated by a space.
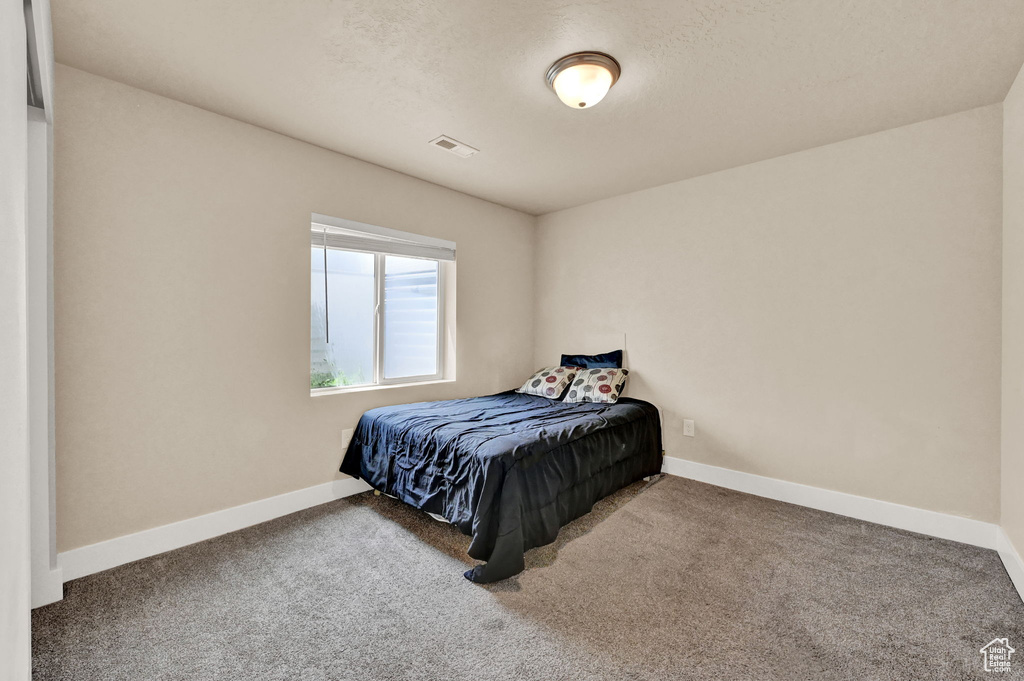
pixel 1011 561
pixel 46 582
pixel 941 525
pixel 107 554
pixel 351 226
pixel 378 317
pixel 47 587
pixel 321 392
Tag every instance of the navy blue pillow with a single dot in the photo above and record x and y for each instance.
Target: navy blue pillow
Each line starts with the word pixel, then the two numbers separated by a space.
pixel 605 360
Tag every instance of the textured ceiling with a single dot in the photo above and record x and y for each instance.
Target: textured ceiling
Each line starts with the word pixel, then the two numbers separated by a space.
pixel 706 84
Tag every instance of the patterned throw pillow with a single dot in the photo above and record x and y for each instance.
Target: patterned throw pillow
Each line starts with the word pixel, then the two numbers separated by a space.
pixel 549 382
pixel 598 385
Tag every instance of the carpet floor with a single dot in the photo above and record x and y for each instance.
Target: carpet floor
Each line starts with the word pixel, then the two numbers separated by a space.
pixel 668 580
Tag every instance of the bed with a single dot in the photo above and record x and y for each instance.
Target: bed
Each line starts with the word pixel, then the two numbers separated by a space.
pixel 510 469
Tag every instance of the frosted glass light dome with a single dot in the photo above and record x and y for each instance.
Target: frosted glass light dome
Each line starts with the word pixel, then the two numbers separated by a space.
pixel 581 80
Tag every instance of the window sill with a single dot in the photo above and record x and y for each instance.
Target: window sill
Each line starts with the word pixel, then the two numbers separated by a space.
pixel 320 392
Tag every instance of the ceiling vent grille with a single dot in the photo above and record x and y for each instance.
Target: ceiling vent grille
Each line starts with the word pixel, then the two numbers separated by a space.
pixel 454 146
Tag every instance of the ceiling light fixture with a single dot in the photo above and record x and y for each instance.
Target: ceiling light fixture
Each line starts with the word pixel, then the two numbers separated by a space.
pixel 582 79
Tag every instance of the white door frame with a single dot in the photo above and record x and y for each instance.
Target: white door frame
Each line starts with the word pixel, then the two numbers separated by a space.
pixel 47 581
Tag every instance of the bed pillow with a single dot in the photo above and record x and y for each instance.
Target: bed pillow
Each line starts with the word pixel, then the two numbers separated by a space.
pixel 607 359
pixel 550 382
pixel 597 385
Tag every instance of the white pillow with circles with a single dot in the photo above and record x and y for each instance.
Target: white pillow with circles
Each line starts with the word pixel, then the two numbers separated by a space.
pixel 597 385
pixel 550 382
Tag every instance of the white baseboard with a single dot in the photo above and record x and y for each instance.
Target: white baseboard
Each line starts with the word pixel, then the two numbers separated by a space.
pixel 47 586
pixel 107 554
pixel 941 525
pixel 1012 561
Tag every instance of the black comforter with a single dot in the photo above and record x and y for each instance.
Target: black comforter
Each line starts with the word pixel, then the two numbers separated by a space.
pixel 509 469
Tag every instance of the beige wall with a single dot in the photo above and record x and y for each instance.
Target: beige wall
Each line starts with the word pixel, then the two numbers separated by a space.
pixel 182 306
pixel 831 317
pixel 1013 316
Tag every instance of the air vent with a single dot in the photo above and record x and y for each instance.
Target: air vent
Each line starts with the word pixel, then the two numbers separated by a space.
pixel 454 146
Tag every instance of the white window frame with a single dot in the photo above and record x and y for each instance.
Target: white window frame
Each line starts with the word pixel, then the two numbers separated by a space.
pixel 380 327
pixel 379 236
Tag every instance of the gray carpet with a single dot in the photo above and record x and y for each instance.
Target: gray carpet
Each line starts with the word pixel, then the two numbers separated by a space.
pixel 671 580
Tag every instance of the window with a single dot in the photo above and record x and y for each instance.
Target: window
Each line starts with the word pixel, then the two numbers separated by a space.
pixel 376 305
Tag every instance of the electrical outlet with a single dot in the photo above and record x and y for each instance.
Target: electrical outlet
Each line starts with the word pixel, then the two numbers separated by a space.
pixel 688 429
pixel 346 437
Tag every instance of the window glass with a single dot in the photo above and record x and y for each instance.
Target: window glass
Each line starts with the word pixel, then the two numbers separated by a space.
pixel 410 317
pixel 342 332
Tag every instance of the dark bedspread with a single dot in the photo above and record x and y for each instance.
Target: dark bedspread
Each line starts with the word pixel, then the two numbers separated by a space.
pixel 509 469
